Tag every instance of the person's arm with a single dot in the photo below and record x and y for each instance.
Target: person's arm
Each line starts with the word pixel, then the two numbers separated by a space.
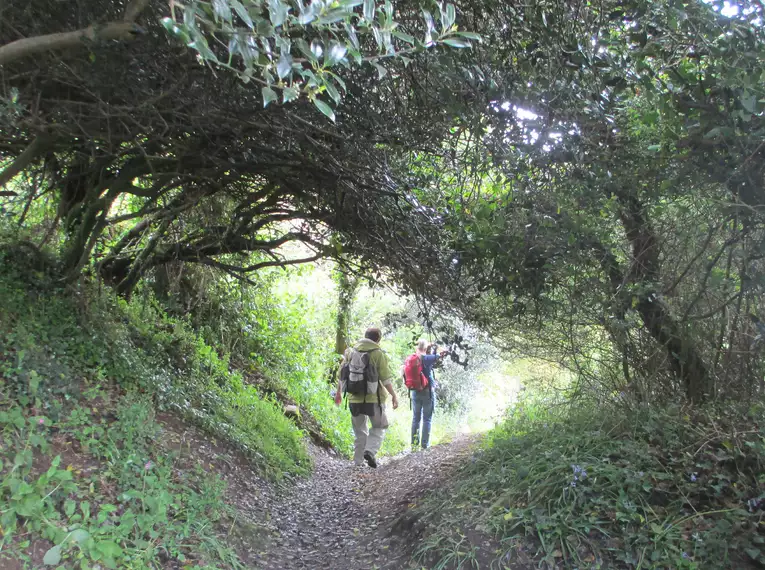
pixel 392 392
pixel 339 393
pixel 429 359
pixel 386 378
pixel 339 390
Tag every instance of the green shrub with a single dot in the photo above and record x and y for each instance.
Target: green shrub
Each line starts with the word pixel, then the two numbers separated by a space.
pixel 123 507
pixel 55 342
pixel 648 488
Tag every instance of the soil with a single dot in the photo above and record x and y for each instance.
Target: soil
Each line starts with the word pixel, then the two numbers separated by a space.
pixel 340 518
pixel 348 518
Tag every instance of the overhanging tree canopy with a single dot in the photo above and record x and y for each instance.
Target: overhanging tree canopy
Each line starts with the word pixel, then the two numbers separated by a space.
pixel 589 177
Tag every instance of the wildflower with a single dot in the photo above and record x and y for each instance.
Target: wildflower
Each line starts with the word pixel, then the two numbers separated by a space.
pixel 41 421
pixel 579 473
pixel 686 556
pixel 148 465
pixel 752 504
pixel 694 477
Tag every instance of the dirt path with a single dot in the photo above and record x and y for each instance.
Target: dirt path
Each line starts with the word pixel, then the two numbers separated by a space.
pixel 342 517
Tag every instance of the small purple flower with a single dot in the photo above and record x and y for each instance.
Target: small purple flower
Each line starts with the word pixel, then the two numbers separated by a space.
pixel 579 474
pixel 694 477
pixel 41 421
pixel 686 556
pixel 148 465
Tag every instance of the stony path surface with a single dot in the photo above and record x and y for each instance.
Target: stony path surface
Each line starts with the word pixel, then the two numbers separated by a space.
pixel 342 518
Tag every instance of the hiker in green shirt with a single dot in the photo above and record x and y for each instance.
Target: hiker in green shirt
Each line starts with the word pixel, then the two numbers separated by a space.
pixel 366 379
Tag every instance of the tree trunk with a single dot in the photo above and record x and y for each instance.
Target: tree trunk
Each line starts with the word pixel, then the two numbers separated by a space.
pixel 347 287
pixel 686 362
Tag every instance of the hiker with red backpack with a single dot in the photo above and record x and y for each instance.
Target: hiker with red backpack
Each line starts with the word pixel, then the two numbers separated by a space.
pixel 366 381
pixel 421 382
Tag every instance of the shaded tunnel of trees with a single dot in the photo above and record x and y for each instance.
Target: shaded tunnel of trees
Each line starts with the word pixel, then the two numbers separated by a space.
pixel 584 182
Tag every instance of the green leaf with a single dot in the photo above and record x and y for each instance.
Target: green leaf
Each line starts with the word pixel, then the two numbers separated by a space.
pixel 79 535
pixel 404 37
pixel 469 35
pixel 222 10
pixel 284 66
pixel 749 102
pixel 169 25
pixel 53 556
pixel 241 11
pixel 754 553
pixel 269 95
pixel 429 23
pixel 324 108
pixel 332 92
pixel 69 507
pixel 654 148
pixel 277 11
pixel 264 28
pixel 719 131
pixel 335 53
pixel 332 17
pixel 349 29
pixel 381 71
pixel 109 548
pixel 451 15
pixel 456 43
pixel 317 48
pixel 307 14
pixel 369 10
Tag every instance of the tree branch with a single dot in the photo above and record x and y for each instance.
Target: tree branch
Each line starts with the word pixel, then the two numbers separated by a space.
pixel 39 44
pixel 23 160
pixel 231 269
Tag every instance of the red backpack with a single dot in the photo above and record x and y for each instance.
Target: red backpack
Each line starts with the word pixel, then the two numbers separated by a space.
pixel 413 376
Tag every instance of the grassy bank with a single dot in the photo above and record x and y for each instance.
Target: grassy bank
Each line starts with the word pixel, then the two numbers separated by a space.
pixel 86 477
pixel 605 487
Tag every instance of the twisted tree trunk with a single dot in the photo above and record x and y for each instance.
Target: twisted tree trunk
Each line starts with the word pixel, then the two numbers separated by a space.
pixel 687 364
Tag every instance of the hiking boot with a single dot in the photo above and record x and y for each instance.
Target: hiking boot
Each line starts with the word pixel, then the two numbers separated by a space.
pixel 370 459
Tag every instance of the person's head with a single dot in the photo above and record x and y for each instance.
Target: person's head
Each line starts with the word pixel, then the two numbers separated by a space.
pixel 422 346
pixel 374 334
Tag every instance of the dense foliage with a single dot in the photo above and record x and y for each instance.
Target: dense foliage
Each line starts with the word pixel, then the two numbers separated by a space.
pixel 585 185
pixel 55 343
pixel 607 488
pixel 607 210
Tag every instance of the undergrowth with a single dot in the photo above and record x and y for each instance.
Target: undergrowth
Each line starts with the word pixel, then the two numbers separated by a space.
pixel 594 487
pixel 85 486
pixel 51 339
